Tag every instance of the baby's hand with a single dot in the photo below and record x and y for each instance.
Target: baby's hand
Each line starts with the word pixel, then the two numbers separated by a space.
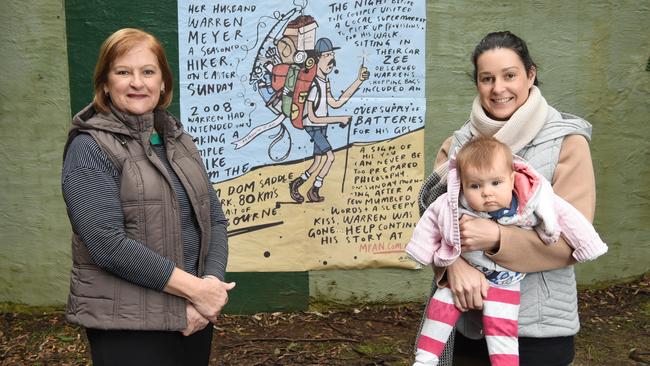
pixel 478 234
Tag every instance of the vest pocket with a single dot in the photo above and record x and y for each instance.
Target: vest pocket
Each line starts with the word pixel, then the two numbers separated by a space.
pixel 91 282
pixel 129 301
pixel 543 285
pixel 131 222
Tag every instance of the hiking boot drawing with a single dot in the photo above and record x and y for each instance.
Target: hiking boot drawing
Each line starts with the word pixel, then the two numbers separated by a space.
pixel 313 195
pixel 293 190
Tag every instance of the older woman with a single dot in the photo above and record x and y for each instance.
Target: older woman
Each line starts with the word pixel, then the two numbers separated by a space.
pixel 149 244
pixel 510 107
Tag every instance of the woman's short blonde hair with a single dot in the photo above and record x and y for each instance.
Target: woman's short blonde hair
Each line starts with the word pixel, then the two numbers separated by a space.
pixel 118 44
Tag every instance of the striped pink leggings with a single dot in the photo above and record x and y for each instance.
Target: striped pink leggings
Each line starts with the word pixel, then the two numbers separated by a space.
pixel 500 312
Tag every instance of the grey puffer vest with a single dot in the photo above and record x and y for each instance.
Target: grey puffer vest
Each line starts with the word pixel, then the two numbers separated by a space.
pixel 549 298
pixel 99 299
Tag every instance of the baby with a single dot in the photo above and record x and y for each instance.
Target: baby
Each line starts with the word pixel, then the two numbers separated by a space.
pixel 488 183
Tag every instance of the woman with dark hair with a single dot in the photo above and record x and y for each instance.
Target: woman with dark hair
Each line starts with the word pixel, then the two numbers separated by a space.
pixel 149 244
pixel 510 107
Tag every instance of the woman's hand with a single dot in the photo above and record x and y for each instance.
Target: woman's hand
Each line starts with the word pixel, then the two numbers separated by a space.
pixel 467 284
pixel 211 297
pixel 208 295
pixel 195 321
pixel 479 234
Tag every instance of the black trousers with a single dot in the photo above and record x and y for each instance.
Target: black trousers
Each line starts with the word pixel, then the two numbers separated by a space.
pixel 160 348
pixel 554 351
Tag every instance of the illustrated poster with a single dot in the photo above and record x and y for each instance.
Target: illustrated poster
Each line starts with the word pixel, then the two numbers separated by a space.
pixel 309 116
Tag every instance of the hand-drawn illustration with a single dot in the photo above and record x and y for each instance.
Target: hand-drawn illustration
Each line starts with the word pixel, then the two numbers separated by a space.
pixel 319 98
pixel 272 94
pixel 293 82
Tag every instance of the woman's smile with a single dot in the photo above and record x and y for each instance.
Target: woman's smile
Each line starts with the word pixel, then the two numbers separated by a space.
pixel 502 82
pixel 135 81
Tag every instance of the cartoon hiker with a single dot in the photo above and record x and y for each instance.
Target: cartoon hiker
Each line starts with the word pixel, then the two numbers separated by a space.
pixel 317 118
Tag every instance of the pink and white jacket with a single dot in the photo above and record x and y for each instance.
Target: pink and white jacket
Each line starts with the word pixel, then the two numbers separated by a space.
pixel 436 238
